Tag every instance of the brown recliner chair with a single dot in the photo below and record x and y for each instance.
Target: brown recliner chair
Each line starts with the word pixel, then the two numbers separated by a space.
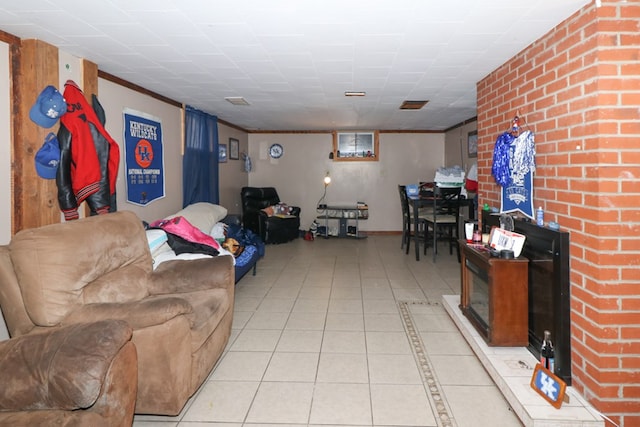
pixel 80 375
pixel 101 268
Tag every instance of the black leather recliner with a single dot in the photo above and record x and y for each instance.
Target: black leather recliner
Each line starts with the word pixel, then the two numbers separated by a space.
pixel 272 229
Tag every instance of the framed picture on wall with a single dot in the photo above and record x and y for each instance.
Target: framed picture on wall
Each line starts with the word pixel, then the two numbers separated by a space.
pixel 472 143
pixel 234 149
pixel 355 146
pixel 222 153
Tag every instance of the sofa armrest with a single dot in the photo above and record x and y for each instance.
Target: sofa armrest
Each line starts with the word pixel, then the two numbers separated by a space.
pixel 179 276
pixel 138 314
pixel 63 368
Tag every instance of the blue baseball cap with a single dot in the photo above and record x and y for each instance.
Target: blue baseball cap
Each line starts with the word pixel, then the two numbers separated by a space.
pixel 48 108
pixel 48 157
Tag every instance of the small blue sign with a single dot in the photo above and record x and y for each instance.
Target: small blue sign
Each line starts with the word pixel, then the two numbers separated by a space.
pixel 517 196
pixel 548 386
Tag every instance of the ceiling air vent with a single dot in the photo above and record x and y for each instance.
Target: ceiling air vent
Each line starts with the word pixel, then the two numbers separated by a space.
pixel 413 105
pixel 237 100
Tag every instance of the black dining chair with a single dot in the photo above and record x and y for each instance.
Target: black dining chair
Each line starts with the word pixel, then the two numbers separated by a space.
pixel 407 219
pixel 444 222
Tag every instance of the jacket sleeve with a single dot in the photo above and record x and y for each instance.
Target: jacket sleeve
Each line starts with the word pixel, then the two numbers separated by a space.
pixel 66 198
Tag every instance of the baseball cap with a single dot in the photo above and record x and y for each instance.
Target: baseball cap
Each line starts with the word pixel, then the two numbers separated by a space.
pixel 48 157
pixel 48 108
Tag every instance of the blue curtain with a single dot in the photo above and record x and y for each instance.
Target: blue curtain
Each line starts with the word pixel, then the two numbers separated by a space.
pixel 200 161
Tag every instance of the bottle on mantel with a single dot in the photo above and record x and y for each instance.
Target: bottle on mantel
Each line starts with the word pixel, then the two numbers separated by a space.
pixel 547 354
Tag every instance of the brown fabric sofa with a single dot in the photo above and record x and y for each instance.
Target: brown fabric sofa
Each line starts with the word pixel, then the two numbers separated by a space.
pixel 79 375
pixel 101 268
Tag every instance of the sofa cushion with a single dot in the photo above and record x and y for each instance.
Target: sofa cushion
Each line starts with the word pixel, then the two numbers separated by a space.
pixel 59 267
pixel 209 306
pixel 202 215
pixel 61 369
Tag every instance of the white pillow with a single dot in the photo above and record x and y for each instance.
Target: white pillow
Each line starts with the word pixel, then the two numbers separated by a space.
pixel 156 238
pixel 202 215
pixel 218 231
pixel 169 255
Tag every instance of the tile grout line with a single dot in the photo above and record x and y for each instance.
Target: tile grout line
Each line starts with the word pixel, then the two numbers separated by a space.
pixel 434 392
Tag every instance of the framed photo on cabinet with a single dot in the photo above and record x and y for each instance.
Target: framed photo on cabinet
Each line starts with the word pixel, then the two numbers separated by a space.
pixel 234 149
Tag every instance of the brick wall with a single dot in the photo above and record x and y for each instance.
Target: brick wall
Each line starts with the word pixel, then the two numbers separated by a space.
pixel 578 89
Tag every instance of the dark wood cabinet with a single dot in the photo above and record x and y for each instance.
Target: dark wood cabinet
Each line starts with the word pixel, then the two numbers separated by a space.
pixel 494 295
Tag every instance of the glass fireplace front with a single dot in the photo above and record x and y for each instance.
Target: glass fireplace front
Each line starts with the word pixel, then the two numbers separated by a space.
pixel 478 295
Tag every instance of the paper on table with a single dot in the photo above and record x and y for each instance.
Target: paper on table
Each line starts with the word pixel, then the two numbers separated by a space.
pixel 502 239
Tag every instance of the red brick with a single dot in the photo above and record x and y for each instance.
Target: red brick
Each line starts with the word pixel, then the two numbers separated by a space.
pixel 631 274
pixel 628 332
pixel 630 128
pixel 611 84
pixel 600 303
pixel 624 420
pixel 569 222
pixel 630 40
pixel 594 157
pixel 620 113
pixel 607 39
pixel 620 26
pixel 619 143
pixel 619 406
pixel 583 75
pixel 604 172
pixel 608 69
pixel 604 99
pixel 631 362
pixel 620 289
pixel 630 215
pixel 594 186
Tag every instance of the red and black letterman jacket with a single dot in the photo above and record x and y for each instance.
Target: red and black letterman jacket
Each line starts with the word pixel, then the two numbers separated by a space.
pixel 89 157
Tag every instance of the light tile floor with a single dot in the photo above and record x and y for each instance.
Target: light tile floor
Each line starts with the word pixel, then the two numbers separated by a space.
pixel 345 332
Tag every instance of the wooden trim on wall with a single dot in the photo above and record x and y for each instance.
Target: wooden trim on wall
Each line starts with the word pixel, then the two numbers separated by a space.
pixel 9 38
pixel 16 95
pixel 466 122
pixel 89 79
pixel 140 89
pixel 231 125
pixel 334 130
pixel 89 75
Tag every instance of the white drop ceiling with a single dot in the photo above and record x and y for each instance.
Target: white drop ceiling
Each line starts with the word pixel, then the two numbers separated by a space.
pixel 293 60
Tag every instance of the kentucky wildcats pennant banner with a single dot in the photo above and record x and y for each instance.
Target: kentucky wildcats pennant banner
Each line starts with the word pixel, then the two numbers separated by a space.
pixel 144 160
pixel 513 168
pixel 518 197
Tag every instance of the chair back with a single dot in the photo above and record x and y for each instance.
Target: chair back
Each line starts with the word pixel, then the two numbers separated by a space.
pixel 254 199
pixel 447 201
pixel 404 201
pixel 426 188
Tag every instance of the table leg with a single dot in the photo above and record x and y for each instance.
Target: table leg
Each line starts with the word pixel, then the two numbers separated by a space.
pixel 416 207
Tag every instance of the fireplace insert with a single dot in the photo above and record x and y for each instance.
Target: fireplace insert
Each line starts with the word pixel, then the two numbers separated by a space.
pixel 549 288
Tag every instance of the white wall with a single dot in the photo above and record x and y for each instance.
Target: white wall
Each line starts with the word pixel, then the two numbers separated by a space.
pixel 114 99
pixel 457 152
pixel 6 201
pixel 232 175
pixel 405 158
